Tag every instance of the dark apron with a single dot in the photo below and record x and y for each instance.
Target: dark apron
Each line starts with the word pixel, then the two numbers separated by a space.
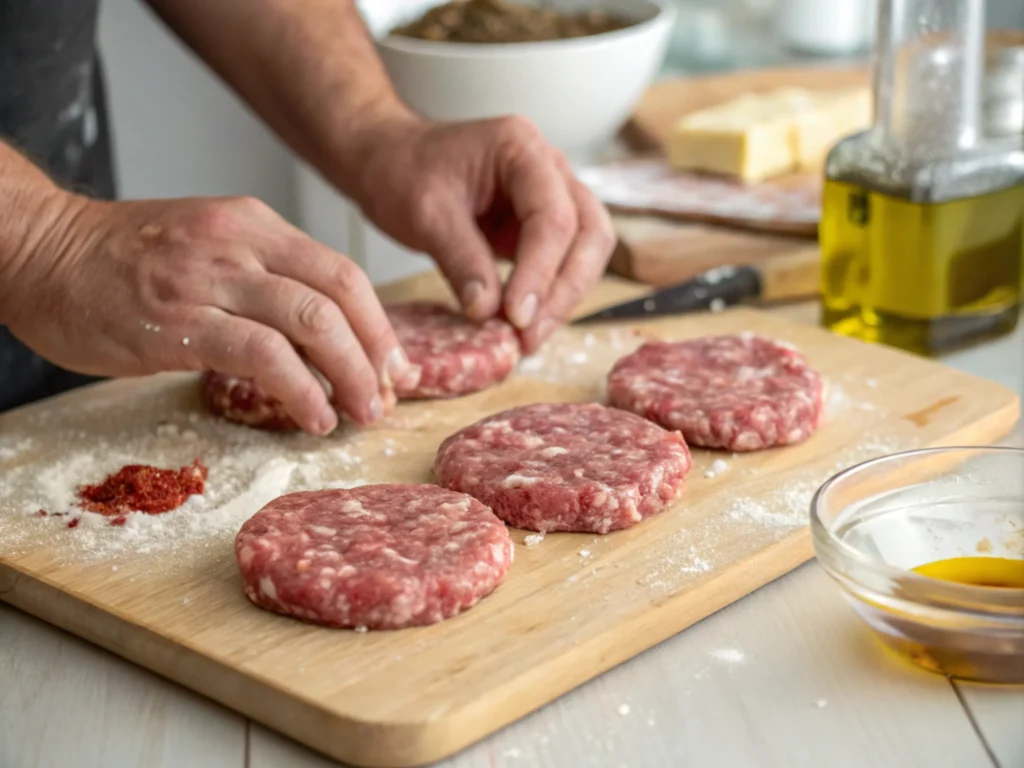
pixel 52 109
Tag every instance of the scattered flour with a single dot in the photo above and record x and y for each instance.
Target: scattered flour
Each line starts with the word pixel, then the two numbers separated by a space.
pixel 246 470
pixel 576 358
pixel 718 466
pixel 730 655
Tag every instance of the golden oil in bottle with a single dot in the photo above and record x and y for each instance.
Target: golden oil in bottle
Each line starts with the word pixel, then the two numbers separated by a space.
pixel 922 276
pixel 922 230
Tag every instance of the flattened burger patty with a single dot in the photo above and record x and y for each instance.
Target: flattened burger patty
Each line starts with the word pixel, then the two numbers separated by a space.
pixel 741 393
pixel 566 467
pixel 455 355
pixel 377 556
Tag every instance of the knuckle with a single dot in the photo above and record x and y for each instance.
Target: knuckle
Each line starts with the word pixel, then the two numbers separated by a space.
pixel 247 205
pixel 317 315
pixel 216 219
pixel 563 221
pixel 519 128
pixel 347 275
pixel 264 349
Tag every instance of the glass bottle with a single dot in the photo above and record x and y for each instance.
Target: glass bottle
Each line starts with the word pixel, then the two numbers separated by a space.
pixel 922 230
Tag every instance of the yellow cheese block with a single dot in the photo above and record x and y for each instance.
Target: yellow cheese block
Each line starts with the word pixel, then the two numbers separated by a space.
pixel 760 135
pixel 836 114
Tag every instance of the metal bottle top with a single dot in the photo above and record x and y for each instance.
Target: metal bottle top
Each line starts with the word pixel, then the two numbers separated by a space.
pixel 928 141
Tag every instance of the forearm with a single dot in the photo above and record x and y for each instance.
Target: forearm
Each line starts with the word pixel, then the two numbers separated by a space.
pixel 31 206
pixel 308 68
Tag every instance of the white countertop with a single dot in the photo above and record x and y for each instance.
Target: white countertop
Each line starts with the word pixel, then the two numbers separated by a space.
pixel 786 677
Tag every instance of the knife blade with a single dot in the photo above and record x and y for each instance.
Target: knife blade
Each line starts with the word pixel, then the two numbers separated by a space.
pixel 719 287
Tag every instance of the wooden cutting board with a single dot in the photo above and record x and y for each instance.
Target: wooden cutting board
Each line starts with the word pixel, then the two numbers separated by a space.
pixel 657 251
pixel 571 607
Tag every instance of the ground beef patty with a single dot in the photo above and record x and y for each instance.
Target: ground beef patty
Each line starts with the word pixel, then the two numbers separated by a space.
pixel 377 556
pixel 455 355
pixel 740 393
pixel 566 467
pixel 243 401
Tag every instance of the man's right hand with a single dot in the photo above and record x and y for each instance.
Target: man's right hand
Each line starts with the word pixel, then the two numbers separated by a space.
pixel 133 288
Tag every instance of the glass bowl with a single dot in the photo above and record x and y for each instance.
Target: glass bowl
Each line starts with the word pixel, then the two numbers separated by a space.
pixel 874 523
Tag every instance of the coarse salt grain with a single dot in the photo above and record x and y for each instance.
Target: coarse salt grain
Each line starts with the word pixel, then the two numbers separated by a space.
pixel 533 539
pixel 584 553
pixel 623 709
pixel 821 703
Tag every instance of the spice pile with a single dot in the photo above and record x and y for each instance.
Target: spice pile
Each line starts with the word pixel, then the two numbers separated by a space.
pixel 140 488
pixel 500 21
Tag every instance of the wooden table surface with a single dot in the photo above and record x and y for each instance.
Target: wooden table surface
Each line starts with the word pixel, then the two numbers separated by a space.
pixel 785 677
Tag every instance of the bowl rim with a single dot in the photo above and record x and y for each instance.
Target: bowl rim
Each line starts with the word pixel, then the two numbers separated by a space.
pixel 664 17
pixel 940 593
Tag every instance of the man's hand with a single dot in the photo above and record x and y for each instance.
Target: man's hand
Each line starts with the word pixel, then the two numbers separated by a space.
pixel 462 193
pixel 126 289
pixel 468 192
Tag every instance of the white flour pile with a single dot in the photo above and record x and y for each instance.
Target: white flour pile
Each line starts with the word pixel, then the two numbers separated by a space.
pixel 246 470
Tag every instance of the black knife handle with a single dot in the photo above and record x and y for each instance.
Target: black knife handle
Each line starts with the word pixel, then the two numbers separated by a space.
pixel 728 285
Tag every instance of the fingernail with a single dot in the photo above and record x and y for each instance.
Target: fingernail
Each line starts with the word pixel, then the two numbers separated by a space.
pixel 522 314
pixel 398 370
pixel 327 423
pixel 376 409
pixel 472 296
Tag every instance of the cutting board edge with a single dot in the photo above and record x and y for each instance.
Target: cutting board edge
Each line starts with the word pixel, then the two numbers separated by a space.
pixel 328 732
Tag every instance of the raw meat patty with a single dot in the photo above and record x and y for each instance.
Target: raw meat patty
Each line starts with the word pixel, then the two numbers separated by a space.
pixel 377 556
pixel 455 355
pixel 243 401
pixel 740 393
pixel 566 467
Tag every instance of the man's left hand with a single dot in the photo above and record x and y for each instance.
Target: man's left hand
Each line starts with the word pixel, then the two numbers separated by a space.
pixel 466 193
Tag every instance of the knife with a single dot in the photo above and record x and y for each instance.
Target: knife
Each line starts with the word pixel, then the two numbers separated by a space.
pixel 779 278
pixel 717 288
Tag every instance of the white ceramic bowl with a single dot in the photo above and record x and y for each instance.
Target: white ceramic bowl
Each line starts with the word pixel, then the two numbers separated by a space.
pixel 578 92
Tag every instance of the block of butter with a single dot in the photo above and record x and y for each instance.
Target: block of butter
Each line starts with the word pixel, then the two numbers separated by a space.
pixel 759 135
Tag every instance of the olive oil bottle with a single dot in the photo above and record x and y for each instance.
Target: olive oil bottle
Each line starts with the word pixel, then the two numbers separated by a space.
pixel 922 230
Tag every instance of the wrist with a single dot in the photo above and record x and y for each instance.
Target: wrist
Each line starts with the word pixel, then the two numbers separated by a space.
pixel 37 231
pixel 369 133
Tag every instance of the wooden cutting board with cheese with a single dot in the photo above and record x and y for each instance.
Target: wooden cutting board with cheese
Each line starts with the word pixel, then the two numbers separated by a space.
pixel 165 592
pixel 673 224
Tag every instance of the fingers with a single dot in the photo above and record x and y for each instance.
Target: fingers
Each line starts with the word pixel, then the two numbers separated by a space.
pixel 241 347
pixel 348 288
pixel 316 324
pixel 583 266
pixel 536 187
pixel 463 255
